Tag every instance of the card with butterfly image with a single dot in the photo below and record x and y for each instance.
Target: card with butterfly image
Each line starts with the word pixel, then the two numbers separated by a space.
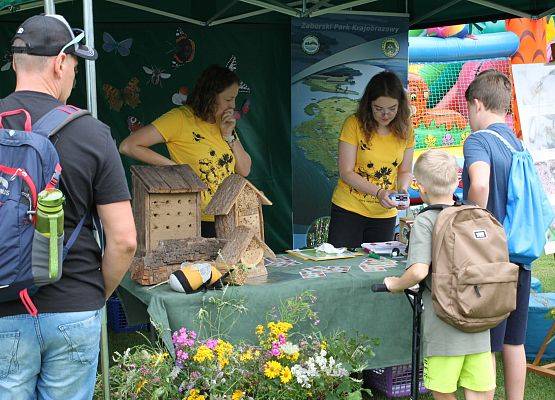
pixel 381 262
pixel 372 268
pixel 315 268
pixel 281 262
pixel 312 275
pixel 336 269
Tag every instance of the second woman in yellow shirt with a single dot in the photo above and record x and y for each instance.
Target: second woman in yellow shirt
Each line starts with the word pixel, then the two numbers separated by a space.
pixel 375 160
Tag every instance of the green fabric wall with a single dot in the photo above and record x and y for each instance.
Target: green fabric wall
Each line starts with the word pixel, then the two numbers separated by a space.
pixel 263 53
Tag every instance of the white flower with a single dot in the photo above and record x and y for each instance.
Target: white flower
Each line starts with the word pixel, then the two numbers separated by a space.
pixel 289 348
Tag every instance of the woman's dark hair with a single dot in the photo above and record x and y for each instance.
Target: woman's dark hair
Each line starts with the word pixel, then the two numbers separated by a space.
pixel 385 84
pixel 212 81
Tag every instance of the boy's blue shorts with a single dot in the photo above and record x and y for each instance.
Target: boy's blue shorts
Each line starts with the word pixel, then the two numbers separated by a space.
pixel 513 329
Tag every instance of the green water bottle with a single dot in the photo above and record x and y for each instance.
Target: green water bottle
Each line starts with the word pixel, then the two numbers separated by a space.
pixel 50 222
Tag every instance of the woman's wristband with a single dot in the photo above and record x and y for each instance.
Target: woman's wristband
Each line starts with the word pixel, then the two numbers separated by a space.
pixel 378 192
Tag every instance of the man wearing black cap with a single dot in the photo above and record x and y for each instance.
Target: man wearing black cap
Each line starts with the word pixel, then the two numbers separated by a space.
pixel 55 355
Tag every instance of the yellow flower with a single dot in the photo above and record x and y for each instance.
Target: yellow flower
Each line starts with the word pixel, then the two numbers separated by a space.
pixel 158 358
pixel 223 350
pixel 203 353
pixel 294 357
pixel 260 329
pixel 324 345
pixel 237 395
pixel 285 375
pixel 272 369
pixel 194 394
pixel 140 385
pixel 246 356
pixel 277 328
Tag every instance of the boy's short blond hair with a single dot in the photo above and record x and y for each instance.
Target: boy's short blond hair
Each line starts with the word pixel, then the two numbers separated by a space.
pixel 493 89
pixel 436 171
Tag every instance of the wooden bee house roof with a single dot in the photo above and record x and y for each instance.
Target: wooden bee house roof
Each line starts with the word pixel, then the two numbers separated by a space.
pixel 240 239
pixel 227 193
pixel 168 178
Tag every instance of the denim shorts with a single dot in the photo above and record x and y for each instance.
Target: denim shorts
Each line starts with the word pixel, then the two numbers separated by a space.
pixel 51 356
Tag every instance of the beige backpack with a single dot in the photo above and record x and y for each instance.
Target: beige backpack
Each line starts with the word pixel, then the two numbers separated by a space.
pixel 473 282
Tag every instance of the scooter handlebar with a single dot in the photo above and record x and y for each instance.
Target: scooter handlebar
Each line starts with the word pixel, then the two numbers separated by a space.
pixel 379 287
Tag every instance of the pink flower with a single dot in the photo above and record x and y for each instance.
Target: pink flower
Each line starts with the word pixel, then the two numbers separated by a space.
pixel 211 343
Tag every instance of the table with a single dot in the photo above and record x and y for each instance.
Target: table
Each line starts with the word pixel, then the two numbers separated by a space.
pixel 344 302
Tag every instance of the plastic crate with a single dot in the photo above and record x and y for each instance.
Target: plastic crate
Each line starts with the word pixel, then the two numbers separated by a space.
pixel 116 318
pixel 393 381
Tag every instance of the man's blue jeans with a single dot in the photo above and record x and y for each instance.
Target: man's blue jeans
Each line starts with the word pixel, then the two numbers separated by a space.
pixel 50 357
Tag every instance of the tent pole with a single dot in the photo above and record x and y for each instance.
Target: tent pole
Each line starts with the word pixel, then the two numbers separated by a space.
pixel 90 69
pixel 374 13
pixel 434 12
pixel 339 7
pixel 284 9
pixel 546 13
pixel 247 15
pixel 49 7
pixel 499 7
pixel 158 12
pixel 221 12
pixel 29 6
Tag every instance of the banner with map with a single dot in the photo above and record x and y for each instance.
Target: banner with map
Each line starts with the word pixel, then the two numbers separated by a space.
pixel 332 59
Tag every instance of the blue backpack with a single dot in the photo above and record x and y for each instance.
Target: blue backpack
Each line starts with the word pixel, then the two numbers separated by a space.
pixel 529 212
pixel 29 163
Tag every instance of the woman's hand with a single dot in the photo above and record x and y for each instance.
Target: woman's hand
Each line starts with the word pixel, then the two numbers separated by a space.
pixel 383 197
pixel 227 123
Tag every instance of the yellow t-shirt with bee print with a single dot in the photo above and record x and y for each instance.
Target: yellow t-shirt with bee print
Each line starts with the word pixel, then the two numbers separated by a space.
pixel 377 161
pixel 190 140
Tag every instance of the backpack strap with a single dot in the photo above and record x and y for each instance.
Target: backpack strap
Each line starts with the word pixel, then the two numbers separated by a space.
pixel 503 140
pixel 54 120
pixel 439 207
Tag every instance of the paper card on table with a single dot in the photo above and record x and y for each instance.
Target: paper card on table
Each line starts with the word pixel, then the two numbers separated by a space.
pixel 281 262
pixel 371 268
pixel 312 275
pixel 331 269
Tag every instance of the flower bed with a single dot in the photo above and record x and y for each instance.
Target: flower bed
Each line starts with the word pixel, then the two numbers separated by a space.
pixel 285 363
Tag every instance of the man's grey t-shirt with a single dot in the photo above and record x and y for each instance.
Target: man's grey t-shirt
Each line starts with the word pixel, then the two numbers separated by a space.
pixel 438 337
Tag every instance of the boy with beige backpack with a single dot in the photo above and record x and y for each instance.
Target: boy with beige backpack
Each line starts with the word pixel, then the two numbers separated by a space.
pixel 460 253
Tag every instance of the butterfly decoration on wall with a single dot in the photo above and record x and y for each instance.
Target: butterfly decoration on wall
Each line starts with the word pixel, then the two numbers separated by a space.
pixel 244 109
pixel 129 95
pixel 122 48
pixel 180 96
pixel 6 62
pixel 156 75
pixel 232 66
pixel 184 50
pixel 133 124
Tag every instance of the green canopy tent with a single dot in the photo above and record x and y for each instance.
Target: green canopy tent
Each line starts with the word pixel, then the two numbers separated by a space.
pixel 266 25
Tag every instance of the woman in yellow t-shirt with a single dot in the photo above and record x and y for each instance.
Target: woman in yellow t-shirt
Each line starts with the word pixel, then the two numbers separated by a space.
pixel 375 160
pixel 201 133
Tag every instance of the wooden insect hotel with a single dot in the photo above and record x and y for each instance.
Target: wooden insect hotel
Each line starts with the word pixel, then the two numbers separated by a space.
pixel 166 204
pixel 237 202
pixel 246 249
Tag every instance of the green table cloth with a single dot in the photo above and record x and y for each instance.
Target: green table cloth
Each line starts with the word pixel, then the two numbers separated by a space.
pixel 344 302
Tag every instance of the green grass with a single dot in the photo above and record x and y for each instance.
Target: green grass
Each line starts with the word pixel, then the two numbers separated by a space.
pixel 537 387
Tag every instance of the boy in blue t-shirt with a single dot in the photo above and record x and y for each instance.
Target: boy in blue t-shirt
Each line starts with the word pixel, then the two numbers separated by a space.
pixel 487 164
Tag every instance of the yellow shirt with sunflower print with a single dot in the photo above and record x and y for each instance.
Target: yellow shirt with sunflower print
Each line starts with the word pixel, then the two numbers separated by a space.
pixel 377 161
pixel 190 140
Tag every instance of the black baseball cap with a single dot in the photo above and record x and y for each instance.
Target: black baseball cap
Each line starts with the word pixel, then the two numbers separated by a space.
pixel 49 35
